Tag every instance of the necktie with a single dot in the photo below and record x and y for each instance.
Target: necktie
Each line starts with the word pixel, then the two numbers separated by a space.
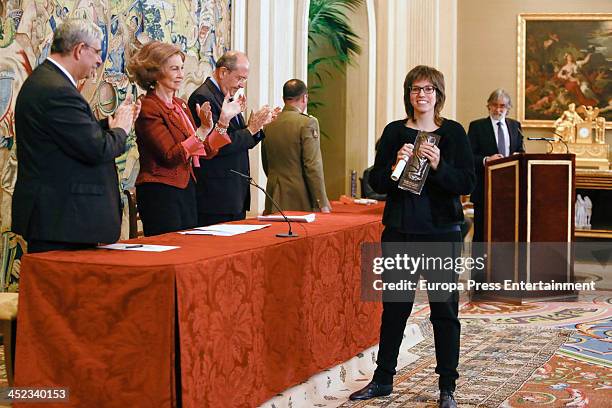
pixel 501 144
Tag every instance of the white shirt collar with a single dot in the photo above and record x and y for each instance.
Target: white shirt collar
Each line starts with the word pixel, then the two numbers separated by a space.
pixel 502 120
pixel 64 70
pixel 214 81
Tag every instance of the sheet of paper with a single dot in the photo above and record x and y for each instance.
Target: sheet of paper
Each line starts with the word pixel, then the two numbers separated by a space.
pixel 293 218
pixel 365 201
pixel 199 232
pixel 139 247
pixel 224 230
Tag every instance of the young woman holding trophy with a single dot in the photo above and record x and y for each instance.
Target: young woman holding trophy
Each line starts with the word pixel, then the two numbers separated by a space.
pixel 423 206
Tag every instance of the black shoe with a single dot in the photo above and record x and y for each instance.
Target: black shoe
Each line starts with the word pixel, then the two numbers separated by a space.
pixel 447 399
pixel 372 390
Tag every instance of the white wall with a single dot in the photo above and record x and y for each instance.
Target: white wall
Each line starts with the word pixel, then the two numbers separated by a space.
pixel 410 33
pixel 396 36
pixel 274 35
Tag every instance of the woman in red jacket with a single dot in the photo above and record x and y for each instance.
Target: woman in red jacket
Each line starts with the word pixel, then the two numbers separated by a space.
pixel 168 142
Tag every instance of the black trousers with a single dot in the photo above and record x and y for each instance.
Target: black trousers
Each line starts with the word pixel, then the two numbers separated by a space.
pixel 446 326
pixel 165 208
pixel 212 219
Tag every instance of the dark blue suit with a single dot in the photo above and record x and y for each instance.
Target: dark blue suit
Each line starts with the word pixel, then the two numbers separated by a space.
pixel 222 195
pixel 483 142
pixel 67 186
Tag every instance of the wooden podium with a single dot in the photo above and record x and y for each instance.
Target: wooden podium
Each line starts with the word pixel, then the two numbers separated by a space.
pixel 529 224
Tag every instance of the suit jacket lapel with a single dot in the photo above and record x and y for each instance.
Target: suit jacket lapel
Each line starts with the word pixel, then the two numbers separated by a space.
pixel 512 135
pixel 51 66
pixel 491 139
pixel 216 92
pixel 172 117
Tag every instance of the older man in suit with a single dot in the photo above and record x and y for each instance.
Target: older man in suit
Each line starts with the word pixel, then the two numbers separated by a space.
pixel 221 194
pixel 291 155
pixel 66 195
pixel 492 138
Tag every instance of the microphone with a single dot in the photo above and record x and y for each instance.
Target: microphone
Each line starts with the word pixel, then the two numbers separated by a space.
pixel 289 234
pixel 547 139
pixel 552 139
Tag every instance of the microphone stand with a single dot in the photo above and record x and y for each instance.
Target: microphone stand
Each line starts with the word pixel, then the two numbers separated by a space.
pixel 546 139
pixel 550 140
pixel 562 141
pixel 289 234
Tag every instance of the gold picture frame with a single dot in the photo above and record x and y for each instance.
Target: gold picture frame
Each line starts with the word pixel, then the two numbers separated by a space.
pixel 563 58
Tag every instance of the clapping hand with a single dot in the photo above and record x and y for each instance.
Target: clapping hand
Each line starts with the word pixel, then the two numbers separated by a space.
pixel 275 113
pixel 136 108
pixel 125 115
pixel 259 119
pixel 231 109
pixel 205 114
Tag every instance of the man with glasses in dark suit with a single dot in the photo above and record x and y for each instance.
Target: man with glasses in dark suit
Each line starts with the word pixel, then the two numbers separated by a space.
pixel 491 138
pixel 66 195
pixel 222 195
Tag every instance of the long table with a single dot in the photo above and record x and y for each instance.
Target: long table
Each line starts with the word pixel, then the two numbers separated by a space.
pixel 232 320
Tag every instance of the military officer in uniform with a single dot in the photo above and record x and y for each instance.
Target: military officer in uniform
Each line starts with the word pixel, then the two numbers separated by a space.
pixel 291 156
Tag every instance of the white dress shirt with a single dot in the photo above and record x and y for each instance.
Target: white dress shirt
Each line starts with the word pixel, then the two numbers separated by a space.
pixel 506 136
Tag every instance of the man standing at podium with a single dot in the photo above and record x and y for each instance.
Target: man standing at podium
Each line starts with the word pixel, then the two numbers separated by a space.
pixel 492 138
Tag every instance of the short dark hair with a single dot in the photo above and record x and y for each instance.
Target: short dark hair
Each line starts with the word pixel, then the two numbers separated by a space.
pixel 436 78
pixel 293 89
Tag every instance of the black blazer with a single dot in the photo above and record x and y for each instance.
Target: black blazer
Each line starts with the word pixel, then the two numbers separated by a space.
pixel 219 191
pixel 483 142
pixel 453 177
pixel 67 186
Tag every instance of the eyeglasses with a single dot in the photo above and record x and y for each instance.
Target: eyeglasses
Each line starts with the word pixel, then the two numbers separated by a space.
pixel 427 89
pixel 96 50
pixel 241 79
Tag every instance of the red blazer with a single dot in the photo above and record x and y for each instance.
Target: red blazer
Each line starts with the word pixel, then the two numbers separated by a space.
pixel 159 133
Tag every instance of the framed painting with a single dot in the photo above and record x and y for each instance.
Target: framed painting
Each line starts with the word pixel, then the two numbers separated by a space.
pixel 563 59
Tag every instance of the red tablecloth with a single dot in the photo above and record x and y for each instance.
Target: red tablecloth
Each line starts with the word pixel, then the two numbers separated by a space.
pixel 343 207
pixel 256 314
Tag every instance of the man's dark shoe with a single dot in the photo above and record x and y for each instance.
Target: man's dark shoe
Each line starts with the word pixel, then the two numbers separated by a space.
pixel 372 390
pixel 447 399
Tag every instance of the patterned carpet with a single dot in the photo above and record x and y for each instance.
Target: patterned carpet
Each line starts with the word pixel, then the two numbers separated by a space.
pixel 518 352
pixel 579 373
pixel 565 382
pixel 548 354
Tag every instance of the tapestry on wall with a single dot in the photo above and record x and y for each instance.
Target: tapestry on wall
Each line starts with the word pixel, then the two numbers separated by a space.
pixel 201 28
